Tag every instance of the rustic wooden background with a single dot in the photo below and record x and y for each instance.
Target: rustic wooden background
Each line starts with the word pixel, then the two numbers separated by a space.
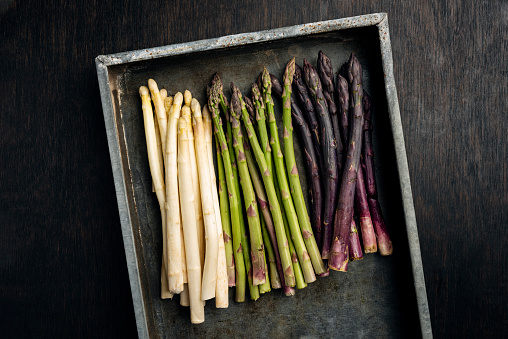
pixel 62 267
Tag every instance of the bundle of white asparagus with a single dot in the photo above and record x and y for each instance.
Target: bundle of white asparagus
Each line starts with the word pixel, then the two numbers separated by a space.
pixel 180 156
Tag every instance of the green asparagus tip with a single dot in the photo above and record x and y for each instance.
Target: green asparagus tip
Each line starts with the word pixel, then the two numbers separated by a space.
pixel 217 79
pixel 213 99
pixel 236 105
pixel 267 84
pixel 289 72
pixel 256 95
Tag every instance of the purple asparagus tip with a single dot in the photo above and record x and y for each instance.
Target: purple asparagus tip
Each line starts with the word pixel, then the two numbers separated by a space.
pixel 250 106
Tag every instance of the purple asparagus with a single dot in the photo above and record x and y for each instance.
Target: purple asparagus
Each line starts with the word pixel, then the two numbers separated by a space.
pixel 355 248
pixel 383 239
pixel 328 148
pixel 362 207
pixel 343 96
pixel 339 257
pixel 303 95
pixel 325 71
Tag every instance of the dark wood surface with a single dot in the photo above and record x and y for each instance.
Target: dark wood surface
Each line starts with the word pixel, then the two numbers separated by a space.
pixel 62 266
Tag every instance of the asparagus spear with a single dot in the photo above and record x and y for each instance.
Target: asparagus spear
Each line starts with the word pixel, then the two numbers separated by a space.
pixel 189 224
pixel 266 221
pixel 272 198
pixel 157 178
pixel 234 205
pixel 160 110
pixel 343 95
pixel 340 249
pixel 362 206
pixel 261 123
pixel 383 239
pixel 256 236
pixel 310 113
pixel 175 250
pixel 209 279
pixel 294 178
pixel 328 147
pixel 287 201
pixel 225 216
pixel 297 268
pixel 313 173
pixel 221 287
pixel 200 226
pixel 325 71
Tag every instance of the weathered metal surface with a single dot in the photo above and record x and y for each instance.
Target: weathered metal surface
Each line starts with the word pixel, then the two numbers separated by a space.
pixel 379 296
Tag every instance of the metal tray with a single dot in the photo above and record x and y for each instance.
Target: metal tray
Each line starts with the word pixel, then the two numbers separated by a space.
pixel 378 297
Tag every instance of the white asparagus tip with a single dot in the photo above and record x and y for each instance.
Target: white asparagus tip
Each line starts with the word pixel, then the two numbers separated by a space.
pixel 164 94
pixel 206 114
pixel 178 99
pixel 153 86
pixel 187 97
pixel 143 90
pixel 196 108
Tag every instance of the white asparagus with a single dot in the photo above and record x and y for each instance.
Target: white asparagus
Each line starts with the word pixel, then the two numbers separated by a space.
pixel 205 185
pixel 174 241
pixel 186 113
pixel 164 94
pixel 153 162
pixel 159 149
pixel 183 279
pixel 197 310
pixel 184 296
pixel 160 110
pixel 165 293
pixel 187 98
pixel 168 103
pixel 221 288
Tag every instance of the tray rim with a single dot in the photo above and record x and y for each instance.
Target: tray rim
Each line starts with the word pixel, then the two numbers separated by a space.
pixel 376 19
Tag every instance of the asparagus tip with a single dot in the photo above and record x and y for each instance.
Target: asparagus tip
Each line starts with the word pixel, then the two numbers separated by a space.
pixel 236 106
pixel 250 107
pixel 153 85
pixel 266 80
pixel 354 68
pixel 298 72
pixel 143 90
pixel 195 107
pixel 289 72
pixel 256 94
pixel 217 79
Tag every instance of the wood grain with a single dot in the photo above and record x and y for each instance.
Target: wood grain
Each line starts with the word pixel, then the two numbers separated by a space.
pixel 62 266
